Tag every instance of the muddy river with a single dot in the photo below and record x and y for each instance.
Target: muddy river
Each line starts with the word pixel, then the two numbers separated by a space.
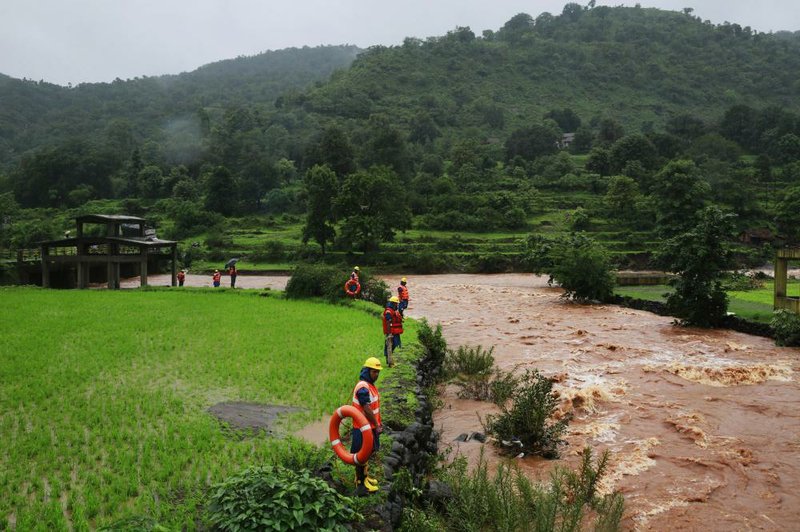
pixel 703 426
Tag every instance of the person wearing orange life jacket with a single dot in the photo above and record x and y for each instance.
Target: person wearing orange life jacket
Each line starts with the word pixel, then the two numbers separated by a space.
pixel 392 327
pixel 402 293
pixel 181 277
pixel 367 399
pixel 216 278
pixel 354 274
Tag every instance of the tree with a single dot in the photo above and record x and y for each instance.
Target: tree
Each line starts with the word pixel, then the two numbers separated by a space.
pixel 632 148
pixel 679 193
pixel 610 131
pixel 333 149
pixel 699 257
pixel 789 148
pixel 576 262
pixel 566 119
pixel 788 214
pixel 599 161
pixel 622 198
pixel 221 191
pixel 320 184
pixel 532 142
pixel 371 205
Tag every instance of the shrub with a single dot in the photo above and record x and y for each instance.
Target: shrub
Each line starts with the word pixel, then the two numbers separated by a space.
pixel 528 420
pixel 469 361
pixel 374 290
pixel 509 500
pixel 576 262
pixel 314 281
pixel 786 325
pixel 276 498
pixel 434 345
pixel 741 282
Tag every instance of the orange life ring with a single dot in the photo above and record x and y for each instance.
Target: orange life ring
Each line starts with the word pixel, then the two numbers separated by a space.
pixel 359 422
pixel 352 287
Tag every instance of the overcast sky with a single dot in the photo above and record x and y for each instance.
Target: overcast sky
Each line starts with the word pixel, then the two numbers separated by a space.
pixel 75 41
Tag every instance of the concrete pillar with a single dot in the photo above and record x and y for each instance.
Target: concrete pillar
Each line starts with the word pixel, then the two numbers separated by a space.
pixel 174 265
pixel 143 267
pixel 45 267
pixel 781 279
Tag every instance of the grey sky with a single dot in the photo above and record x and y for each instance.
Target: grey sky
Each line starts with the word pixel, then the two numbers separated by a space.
pixel 77 41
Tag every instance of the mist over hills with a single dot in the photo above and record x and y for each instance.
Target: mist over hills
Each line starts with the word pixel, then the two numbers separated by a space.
pixel 411 107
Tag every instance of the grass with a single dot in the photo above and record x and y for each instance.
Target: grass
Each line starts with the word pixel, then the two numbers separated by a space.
pixel 104 395
pixel 752 304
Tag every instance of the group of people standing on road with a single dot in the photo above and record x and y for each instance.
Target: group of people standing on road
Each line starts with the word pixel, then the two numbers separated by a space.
pixel 366 397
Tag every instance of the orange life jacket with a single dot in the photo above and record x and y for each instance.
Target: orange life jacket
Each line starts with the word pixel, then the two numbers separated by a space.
pixel 396 324
pixel 217 277
pixel 374 400
pixel 403 292
pixel 181 276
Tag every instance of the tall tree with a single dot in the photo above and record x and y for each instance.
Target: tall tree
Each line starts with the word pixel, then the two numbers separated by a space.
pixel 700 256
pixel 320 184
pixel 679 193
pixel 372 206
pixel 221 191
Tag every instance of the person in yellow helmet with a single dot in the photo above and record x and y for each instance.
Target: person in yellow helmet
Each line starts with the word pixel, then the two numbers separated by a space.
pixel 392 328
pixel 367 399
pixel 402 293
pixel 354 274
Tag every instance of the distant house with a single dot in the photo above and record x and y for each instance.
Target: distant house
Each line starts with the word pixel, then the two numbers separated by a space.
pixel 566 140
pixel 756 237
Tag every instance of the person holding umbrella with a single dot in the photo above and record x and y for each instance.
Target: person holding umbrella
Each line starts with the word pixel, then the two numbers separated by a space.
pixel 231 265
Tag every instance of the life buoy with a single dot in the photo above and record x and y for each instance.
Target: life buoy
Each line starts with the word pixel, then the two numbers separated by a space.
pixel 352 287
pixel 359 422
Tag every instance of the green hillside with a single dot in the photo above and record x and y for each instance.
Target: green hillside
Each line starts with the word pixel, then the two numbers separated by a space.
pixel 462 135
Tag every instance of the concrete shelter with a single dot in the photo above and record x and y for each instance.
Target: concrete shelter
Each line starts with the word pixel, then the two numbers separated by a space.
pixel 121 239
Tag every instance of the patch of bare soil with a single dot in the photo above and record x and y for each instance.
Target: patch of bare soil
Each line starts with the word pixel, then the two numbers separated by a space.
pixel 249 417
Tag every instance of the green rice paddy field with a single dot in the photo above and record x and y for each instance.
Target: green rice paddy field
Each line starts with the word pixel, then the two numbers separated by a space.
pixel 104 395
pixel 751 304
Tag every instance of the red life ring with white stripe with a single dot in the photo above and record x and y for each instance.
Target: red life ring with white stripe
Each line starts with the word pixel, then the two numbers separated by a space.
pixel 352 287
pixel 359 422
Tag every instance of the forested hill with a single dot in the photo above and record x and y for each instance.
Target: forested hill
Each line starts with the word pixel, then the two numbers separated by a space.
pixel 34 114
pixel 637 65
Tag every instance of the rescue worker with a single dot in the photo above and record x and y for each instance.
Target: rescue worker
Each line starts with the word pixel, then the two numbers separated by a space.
pixel 367 399
pixel 181 277
pixel 402 293
pixel 216 278
pixel 354 273
pixel 392 328
pixel 233 273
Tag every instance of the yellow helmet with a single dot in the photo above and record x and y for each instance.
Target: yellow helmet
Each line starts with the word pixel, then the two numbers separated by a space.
pixel 403 280
pixel 357 269
pixel 394 299
pixel 373 363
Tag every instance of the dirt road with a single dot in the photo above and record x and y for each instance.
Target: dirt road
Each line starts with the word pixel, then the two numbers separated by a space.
pixel 703 426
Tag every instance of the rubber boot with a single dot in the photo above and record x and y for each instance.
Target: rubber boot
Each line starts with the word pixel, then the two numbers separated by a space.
pixel 363 487
pixel 370 480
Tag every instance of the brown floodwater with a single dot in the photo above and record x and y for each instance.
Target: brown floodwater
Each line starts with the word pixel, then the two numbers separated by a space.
pixel 703 426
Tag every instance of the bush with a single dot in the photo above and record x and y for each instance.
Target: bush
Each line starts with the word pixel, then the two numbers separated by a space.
pixel 528 419
pixel 433 343
pixel 576 262
pixel 741 282
pixel 277 498
pixel 469 361
pixel 315 281
pixel 374 290
pixel 509 500
pixel 786 325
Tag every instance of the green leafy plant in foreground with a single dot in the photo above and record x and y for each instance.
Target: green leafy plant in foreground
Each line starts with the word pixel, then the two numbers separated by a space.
pixel 276 498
